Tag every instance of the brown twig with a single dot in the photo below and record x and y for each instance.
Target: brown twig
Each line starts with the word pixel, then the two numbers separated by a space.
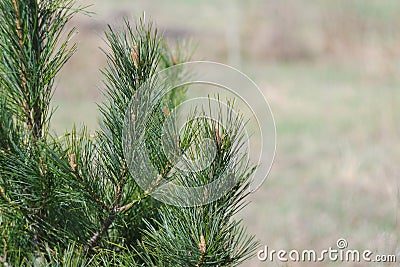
pixel 145 194
pixel 93 240
pixel 114 210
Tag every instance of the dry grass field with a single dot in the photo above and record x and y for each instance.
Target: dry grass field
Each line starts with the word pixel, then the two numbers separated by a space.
pixel 331 73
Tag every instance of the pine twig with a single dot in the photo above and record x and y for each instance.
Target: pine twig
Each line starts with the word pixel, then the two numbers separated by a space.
pixel 145 194
pixel 114 211
pixel 20 35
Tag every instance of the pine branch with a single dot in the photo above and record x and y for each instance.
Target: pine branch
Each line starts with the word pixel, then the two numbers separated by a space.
pixel 33 52
pixel 134 58
pixel 23 79
pixel 77 189
pixel 206 235
pixel 33 55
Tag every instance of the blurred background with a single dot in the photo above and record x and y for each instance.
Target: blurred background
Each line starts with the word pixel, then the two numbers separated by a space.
pixel 331 73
